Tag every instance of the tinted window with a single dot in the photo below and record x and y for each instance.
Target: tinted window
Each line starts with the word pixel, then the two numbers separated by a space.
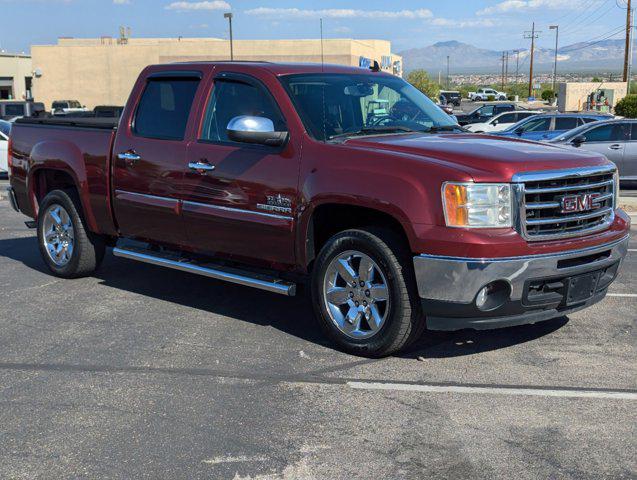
pixel 14 110
pixel 57 105
pixel 537 125
pixel 503 108
pixel 486 110
pixel 232 99
pixel 523 115
pixel 605 133
pixel 589 119
pixel 507 118
pixel 634 131
pixel 164 108
pixel 565 123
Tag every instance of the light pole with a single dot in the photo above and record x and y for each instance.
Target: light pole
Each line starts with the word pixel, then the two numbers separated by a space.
pixel 229 17
pixel 447 72
pixel 557 32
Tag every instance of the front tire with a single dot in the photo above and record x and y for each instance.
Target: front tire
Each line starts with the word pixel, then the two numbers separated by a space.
pixel 67 247
pixel 364 295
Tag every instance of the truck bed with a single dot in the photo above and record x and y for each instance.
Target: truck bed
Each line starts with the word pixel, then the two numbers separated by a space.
pixel 84 144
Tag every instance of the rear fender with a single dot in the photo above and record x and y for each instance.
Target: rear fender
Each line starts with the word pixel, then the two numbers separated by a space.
pixel 68 158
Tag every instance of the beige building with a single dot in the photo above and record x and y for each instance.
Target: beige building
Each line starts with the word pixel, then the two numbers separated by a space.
pixel 15 76
pixel 102 71
pixel 575 97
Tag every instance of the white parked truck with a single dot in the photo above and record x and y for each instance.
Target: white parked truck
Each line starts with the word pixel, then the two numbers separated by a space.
pixel 483 94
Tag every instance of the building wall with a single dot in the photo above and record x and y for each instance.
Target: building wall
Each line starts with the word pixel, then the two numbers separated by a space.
pixel 573 97
pixel 13 70
pixel 102 71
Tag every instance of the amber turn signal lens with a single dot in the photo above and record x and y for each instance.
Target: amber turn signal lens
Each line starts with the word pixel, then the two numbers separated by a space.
pixel 455 205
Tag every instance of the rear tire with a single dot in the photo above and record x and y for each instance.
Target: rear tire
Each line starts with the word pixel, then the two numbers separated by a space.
pixel 348 299
pixel 67 247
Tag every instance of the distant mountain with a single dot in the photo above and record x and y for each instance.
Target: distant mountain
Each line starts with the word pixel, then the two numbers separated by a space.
pixel 466 58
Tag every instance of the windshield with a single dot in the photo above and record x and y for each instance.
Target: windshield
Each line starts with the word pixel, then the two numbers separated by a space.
pixel 335 105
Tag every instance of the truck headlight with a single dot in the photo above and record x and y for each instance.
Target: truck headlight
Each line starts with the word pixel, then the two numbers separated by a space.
pixel 477 205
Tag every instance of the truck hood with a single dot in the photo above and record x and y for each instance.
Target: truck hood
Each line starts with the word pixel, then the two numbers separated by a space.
pixel 486 158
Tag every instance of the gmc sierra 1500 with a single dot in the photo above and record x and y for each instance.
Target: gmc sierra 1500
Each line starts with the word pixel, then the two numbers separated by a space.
pixel 265 175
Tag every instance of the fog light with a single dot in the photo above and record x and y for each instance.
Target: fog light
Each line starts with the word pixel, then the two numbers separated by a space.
pixel 493 295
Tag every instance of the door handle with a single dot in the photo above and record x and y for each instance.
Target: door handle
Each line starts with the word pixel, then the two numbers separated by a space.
pixel 129 157
pixel 615 146
pixel 201 167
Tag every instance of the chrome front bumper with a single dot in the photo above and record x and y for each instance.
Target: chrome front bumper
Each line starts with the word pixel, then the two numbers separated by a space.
pixel 448 286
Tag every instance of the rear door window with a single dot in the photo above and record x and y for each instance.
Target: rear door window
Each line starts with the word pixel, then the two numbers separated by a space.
pixel 565 123
pixel 164 108
pixel 507 118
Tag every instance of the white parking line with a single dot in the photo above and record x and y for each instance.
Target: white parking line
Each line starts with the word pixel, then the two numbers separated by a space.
pixel 501 390
pixel 632 249
pixel 623 295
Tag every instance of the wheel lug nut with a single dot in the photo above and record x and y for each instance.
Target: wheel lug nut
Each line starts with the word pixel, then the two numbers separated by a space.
pixel 364 303
pixel 367 293
pixel 362 284
pixel 356 303
pixel 354 284
pixel 351 294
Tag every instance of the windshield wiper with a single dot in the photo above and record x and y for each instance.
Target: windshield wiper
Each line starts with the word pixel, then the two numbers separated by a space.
pixel 445 128
pixel 376 129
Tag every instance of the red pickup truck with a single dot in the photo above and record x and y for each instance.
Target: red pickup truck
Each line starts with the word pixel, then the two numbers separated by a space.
pixel 268 175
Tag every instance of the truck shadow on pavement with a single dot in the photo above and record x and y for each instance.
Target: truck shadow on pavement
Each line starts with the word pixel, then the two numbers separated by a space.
pixel 291 315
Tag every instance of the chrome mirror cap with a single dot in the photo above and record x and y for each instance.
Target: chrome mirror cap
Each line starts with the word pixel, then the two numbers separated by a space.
pixel 248 123
pixel 256 130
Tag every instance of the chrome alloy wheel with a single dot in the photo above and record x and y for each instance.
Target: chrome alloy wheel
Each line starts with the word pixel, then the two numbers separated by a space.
pixel 356 294
pixel 57 234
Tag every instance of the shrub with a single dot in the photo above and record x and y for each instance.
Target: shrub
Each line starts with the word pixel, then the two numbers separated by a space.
pixel 420 79
pixel 627 107
pixel 548 95
pixel 490 98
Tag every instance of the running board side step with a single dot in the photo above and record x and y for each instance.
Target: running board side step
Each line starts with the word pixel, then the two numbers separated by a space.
pixel 219 272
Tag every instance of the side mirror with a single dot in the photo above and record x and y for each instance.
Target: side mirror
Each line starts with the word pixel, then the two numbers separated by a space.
pixel 577 141
pixel 256 130
pixel 519 130
pixel 494 123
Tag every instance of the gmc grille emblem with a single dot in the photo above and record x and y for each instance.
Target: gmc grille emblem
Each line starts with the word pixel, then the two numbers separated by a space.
pixel 579 203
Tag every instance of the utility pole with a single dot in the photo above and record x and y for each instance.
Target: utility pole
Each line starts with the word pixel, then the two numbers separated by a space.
pixel 627 46
pixel 447 72
pixel 517 65
pixel 502 75
pixel 532 35
pixel 630 53
pixel 229 17
pixel 557 32
pixel 506 69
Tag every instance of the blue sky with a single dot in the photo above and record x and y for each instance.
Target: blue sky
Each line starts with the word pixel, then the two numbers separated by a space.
pixel 489 24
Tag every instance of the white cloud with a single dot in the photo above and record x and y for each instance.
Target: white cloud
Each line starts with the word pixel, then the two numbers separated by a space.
pixel 339 13
pixel 121 2
pixel 448 22
pixel 193 6
pixel 525 5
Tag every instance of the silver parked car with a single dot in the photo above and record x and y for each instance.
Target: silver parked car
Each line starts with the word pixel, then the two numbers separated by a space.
pixel 616 139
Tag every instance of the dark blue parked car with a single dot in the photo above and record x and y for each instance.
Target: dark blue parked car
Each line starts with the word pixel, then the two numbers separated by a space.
pixel 547 126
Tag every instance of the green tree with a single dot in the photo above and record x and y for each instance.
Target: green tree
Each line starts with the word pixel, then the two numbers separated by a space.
pixel 420 79
pixel 548 95
pixel 627 107
pixel 596 80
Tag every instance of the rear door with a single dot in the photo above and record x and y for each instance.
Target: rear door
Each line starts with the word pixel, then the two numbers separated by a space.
pixel 149 158
pixel 609 140
pixel 241 205
pixel 536 128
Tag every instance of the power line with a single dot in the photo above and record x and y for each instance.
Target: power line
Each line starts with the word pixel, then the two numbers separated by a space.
pixel 583 11
pixel 590 43
pixel 579 25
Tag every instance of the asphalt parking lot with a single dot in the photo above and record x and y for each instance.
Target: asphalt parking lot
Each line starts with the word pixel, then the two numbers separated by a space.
pixel 141 372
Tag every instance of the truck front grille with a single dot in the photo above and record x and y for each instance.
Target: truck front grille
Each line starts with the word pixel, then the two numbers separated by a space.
pixel 545 198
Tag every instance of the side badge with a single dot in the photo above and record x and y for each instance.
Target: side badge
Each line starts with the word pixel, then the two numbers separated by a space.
pixel 276 203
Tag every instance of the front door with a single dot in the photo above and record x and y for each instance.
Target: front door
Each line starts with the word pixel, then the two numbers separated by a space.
pixel 608 139
pixel 241 200
pixel 628 166
pixel 149 159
